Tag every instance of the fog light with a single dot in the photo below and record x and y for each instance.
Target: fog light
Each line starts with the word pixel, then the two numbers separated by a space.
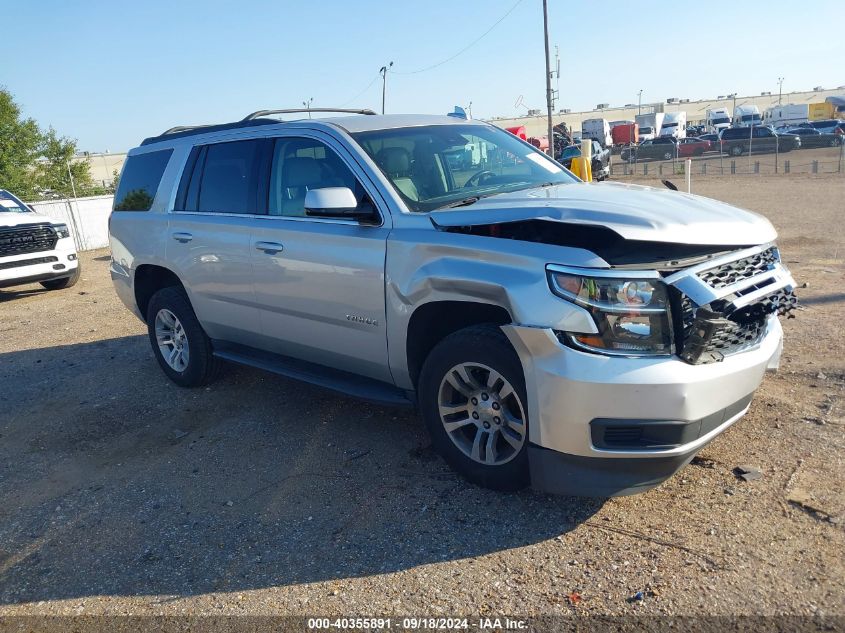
pixel 71 257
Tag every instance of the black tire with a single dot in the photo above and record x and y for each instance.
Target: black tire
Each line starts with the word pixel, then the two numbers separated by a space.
pixel 65 282
pixel 486 345
pixel 202 366
pixel 736 150
pixel 667 156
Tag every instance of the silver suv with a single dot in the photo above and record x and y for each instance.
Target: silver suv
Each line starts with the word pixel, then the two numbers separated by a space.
pixel 586 338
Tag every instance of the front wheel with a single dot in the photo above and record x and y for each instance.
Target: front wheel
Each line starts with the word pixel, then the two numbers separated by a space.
pixel 736 150
pixel 181 347
pixel 472 398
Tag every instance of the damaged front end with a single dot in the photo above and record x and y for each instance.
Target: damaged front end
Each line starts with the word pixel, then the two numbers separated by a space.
pixel 718 299
pixel 722 307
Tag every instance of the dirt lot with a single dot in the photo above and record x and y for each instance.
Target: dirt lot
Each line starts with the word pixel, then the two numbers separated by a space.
pixel 122 493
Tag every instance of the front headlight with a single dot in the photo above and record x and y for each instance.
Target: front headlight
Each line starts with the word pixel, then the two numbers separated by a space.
pixel 631 314
pixel 62 230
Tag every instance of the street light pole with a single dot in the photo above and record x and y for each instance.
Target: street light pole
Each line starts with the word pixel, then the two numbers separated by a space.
pixel 780 89
pixel 307 105
pixel 640 102
pixel 383 70
pixel 548 78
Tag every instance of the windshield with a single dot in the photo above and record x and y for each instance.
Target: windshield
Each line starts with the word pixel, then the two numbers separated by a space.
pixel 719 121
pixel 436 166
pixel 10 204
pixel 750 117
pixel 670 125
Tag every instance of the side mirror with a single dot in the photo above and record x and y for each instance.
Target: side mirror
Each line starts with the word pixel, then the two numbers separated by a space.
pixel 335 202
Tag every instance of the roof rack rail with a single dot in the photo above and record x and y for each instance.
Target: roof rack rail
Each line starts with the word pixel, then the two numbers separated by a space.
pixel 182 128
pixel 260 113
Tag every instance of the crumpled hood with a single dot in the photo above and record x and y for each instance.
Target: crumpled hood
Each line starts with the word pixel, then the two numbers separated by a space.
pixel 16 219
pixel 633 211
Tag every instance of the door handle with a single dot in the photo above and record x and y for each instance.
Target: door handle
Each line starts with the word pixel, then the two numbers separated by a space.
pixel 271 248
pixel 183 237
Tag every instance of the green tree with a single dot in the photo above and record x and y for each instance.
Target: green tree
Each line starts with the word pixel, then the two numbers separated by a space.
pixel 58 153
pixel 32 161
pixel 20 146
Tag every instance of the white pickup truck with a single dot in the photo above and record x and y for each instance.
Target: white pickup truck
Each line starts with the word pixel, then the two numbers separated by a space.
pixel 34 248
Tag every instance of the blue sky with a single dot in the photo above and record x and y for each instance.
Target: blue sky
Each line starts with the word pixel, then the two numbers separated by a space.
pixel 111 73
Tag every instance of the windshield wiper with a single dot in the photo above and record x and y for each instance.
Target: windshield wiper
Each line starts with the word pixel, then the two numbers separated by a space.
pixel 462 203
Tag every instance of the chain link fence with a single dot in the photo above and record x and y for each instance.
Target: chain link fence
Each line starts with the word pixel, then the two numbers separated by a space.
pixel 750 160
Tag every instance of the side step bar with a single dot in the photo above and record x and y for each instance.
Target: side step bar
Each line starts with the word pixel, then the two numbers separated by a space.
pixel 333 379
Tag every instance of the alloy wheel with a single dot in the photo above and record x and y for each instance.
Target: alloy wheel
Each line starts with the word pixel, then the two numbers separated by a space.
pixel 172 340
pixel 482 413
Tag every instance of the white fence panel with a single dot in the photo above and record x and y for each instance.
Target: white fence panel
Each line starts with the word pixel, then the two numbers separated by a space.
pixel 88 218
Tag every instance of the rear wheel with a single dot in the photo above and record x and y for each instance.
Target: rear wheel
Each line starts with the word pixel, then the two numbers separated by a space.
pixel 181 346
pixel 736 150
pixel 667 156
pixel 65 282
pixel 472 398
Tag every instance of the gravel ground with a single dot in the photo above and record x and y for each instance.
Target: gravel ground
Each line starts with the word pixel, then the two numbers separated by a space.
pixel 122 493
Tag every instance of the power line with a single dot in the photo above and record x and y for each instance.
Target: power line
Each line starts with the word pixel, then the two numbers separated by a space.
pixel 369 85
pixel 465 48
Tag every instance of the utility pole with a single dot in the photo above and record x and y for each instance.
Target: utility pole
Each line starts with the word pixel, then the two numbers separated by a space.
pixel 780 89
pixel 383 70
pixel 548 78
pixel 640 102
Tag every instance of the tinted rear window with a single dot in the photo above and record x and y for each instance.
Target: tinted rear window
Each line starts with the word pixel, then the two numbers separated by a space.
pixel 230 177
pixel 139 181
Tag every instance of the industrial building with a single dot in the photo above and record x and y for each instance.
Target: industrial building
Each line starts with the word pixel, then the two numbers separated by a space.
pixel 536 123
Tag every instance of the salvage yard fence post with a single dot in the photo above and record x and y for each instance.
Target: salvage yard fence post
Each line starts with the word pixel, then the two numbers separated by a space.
pixel 815 166
pixel 786 166
pixel 733 167
pixel 756 166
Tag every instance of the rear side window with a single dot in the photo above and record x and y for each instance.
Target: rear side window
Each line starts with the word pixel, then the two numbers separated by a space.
pixel 222 178
pixel 139 181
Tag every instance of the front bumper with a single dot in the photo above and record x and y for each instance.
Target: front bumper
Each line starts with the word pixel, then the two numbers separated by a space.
pixel 568 391
pixel 28 268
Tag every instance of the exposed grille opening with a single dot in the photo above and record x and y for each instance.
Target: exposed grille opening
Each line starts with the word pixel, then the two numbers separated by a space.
pixel 28 262
pixel 707 334
pixel 29 238
pixel 746 268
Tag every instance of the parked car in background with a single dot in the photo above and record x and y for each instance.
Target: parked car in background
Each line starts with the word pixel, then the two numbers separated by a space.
pixel 692 147
pixel 811 137
pixel 533 319
pixel 660 148
pixel 600 163
pixel 827 126
pixel 713 139
pixel 759 139
pixel 34 248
